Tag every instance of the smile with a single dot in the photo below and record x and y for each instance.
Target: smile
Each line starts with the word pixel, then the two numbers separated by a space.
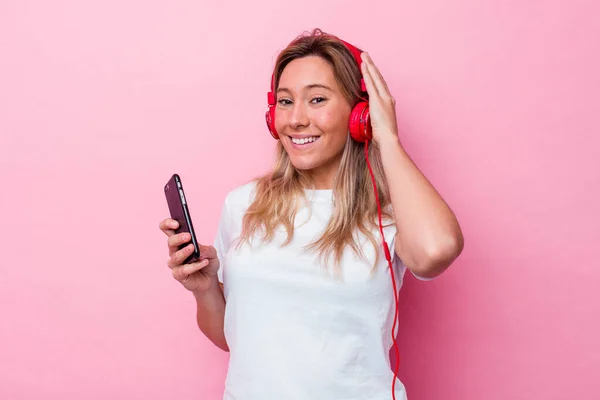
pixel 304 141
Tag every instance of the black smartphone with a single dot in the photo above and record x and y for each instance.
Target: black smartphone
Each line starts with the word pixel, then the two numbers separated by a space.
pixel 181 213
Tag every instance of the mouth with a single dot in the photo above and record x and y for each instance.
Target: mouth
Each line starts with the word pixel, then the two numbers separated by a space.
pixel 304 142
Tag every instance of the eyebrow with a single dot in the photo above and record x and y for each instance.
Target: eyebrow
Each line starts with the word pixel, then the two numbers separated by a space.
pixel 312 86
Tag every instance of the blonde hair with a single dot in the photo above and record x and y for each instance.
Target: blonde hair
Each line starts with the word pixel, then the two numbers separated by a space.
pixel 277 193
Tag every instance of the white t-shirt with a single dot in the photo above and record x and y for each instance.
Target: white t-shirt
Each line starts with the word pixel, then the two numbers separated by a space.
pixel 295 332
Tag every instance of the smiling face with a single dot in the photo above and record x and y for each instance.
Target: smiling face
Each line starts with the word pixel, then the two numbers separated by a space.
pixel 312 117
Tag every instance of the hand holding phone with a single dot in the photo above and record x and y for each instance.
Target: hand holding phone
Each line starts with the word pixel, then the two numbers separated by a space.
pixel 193 265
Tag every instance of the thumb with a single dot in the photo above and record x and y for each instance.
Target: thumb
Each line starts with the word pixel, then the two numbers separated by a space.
pixel 207 252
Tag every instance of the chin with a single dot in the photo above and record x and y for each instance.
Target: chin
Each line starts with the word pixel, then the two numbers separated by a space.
pixel 303 164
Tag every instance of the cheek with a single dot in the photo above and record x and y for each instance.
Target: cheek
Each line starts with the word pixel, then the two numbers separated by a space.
pixel 332 122
pixel 279 121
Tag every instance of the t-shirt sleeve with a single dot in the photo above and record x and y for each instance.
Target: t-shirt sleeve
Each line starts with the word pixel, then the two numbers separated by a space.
pixel 222 239
pixel 421 278
pixel 400 263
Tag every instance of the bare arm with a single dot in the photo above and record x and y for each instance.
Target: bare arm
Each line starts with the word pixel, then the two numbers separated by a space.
pixel 429 237
pixel 200 278
pixel 211 314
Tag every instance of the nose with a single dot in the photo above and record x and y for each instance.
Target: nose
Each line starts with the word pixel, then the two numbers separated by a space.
pixel 299 116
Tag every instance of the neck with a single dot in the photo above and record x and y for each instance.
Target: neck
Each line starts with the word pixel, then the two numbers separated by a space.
pixel 323 176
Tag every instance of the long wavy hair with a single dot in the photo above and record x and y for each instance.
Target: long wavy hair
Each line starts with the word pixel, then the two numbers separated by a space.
pixel 278 193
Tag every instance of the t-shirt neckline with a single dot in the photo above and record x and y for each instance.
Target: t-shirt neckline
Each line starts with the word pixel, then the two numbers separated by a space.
pixel 320 195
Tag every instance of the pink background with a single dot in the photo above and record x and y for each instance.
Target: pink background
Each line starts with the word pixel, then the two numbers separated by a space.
pixel 100 102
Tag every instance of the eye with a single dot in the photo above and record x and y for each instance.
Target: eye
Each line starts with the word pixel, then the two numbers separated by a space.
pixel 318 100
pixel 284 102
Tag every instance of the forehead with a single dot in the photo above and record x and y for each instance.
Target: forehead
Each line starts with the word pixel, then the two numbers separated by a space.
pixel 306 71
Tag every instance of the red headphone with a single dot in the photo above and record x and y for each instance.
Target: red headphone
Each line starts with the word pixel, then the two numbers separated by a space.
pixel 359 124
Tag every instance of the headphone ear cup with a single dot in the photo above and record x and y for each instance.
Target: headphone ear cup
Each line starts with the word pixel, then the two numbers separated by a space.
pixel 270 117
pixel 360 122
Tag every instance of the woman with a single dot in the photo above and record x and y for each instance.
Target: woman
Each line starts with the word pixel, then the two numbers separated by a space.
pixel 297 286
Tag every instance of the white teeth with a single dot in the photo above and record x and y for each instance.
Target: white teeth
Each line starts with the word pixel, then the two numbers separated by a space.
pixel 304 140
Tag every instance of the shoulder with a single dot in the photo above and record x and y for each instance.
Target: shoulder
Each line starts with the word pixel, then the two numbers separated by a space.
pixel 234 206
pixel 241 196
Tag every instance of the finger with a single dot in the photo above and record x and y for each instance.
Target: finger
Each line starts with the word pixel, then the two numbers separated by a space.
pixel 177 240
pixel 182 272
pixel 168 226
pixel 207 252
pixel 376 75
pixel 180 256
pixel 371 88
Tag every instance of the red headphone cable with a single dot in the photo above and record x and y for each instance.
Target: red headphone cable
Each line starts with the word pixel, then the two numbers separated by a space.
pixel 389 259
